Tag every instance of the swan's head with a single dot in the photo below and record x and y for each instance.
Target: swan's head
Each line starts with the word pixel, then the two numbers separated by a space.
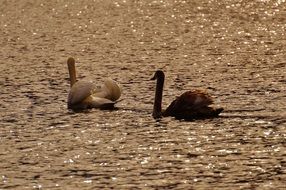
pixel 71 61
pixel 158 75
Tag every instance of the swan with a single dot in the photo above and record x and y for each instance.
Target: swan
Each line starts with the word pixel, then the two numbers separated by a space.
pixel 193 104
pixel 84 94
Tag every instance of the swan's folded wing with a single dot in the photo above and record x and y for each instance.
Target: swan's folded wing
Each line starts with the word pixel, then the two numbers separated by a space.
pixel 189 101
pixel 194 99
pixel 80 91
pixel 98 102
pixel 109 90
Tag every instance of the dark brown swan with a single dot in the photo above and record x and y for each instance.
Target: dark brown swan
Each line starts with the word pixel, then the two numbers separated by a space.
pixel 193 104
pixel 84 94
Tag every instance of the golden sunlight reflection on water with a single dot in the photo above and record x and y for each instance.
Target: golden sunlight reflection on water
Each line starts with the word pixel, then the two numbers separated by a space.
pixel 233 49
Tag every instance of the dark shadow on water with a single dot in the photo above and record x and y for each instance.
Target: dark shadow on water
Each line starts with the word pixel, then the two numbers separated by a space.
pixel 137 110
pixel 247 116
pixel 70 111
pixel 242 110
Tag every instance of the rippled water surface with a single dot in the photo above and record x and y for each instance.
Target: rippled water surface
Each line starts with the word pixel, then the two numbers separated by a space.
pixel 235 49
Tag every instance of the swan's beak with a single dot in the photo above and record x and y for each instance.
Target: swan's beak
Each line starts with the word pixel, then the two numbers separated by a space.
pixel 153 78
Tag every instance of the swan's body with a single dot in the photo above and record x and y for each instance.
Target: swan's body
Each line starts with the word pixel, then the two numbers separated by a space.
pixel 190 105
pixel 84 94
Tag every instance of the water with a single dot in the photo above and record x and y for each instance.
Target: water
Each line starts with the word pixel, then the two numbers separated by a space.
pixel 233 49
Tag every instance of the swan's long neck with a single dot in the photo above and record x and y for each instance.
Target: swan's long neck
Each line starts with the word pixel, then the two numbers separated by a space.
pixel 157 109
pixel 72 73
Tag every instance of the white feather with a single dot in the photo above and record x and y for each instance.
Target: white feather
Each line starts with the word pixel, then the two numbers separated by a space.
pixel 87 93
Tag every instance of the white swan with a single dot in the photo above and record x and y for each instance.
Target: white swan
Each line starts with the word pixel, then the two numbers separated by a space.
pixel 84 94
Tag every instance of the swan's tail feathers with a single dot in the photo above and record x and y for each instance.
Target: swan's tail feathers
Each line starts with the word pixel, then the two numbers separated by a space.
pixel 112 90
pixel 108 106
pixel 217 111
pixel 207 112
pixel 98 102
pixel 93 102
